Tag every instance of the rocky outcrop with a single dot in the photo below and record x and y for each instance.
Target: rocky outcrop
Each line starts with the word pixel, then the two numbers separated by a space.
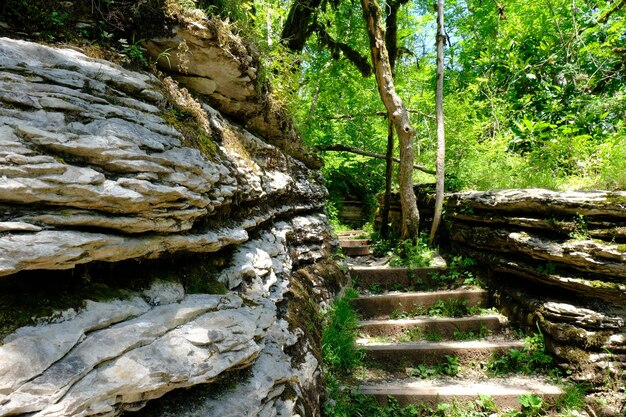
pixel 85 148
pixel 557 260
pixel 207 58
pixel 99 164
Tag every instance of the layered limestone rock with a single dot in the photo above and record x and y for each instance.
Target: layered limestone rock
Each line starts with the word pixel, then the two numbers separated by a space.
pixel 92 171
pixel 557 260
pixel 97 165
pixel 207 58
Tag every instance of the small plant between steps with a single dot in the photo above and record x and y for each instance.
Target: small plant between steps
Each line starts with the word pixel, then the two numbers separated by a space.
pixel 449 367
pixel 413 254
pixel 457 275
pixel 529 360
pixel 442 308
pixel 350 403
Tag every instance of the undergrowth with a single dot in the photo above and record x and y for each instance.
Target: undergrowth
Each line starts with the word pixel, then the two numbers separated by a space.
pixel 449 367
pixel 350 404
pixel 529 360
pixel 339 337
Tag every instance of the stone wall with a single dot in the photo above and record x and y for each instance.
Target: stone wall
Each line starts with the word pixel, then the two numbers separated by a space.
pixel 120 170
pixel 557 260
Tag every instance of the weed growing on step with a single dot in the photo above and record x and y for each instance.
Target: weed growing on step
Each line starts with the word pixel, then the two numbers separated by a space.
pixel 413 254
pixel 486 404
pixel 349 404
pixel 458 274
pixel 531 359
pixel 441 308
pixel 376 288
pixel 433 336
pixel 339 337
pixel 449 308
pixel 450 367
pixel 460 335
pixel 412 335
pixel 399 313
pixel 573 398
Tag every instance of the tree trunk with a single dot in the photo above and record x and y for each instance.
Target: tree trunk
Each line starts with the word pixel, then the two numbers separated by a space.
pixel 399 115
pixel 441 141
pixel 391 41
pixel 384 215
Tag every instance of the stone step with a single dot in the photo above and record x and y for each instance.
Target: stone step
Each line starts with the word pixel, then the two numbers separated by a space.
pixel 445 326
pixel 350 233
pixel 378 306
pixel 347 243
pixel 403 355
pixel 504 391
pixel 389 277
pixel 356 250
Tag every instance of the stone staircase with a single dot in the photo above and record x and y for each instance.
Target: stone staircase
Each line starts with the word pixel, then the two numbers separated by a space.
pixel 400 341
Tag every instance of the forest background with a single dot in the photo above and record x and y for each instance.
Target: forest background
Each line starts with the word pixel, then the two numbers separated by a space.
pixel 534 90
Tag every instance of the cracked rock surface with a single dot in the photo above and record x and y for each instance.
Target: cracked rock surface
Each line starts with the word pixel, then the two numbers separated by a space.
pixel 93 170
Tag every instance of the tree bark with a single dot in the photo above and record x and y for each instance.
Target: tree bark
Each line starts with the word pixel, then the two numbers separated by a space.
pixel 384 215
pixel 299 23
pixel 391 41
pixel 399 115
pixel 441 140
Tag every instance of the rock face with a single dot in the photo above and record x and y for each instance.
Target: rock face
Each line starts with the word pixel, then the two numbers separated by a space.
pixel 210 60
pixel 95 167
pixel 557 260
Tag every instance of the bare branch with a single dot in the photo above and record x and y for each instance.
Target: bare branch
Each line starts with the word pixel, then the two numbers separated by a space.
pixel 337 147
pixel 378 113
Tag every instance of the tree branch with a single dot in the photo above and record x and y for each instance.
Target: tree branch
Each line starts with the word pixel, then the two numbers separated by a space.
pixel 299 23
pixel 378 113
pixel 351 54
pixel 337 147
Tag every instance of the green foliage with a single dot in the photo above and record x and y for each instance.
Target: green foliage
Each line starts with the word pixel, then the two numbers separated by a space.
pixel 433 336
pixel 352 404
pixel 459 273
pixel 414 334
pixel 549 268
pixel 534 95
pixel 486 404
pixel 413 254
pixel 461 335
pixel 532 405
pixel 580 231
pixel 449 308
pixel 383 247
pixel 529 360
pixel 339 336
pixel 134 52
pixel 573 398
pixel 449 367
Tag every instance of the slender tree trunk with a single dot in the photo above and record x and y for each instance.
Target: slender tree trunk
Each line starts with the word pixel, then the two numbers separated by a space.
pixel 391 42
pixel 398 114
pixel 384 215
pixel 441 141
